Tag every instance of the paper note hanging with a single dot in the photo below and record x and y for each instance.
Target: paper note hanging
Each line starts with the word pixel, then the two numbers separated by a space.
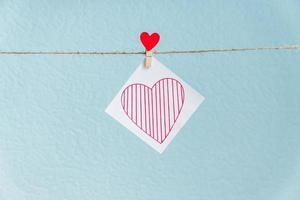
pixel 154 104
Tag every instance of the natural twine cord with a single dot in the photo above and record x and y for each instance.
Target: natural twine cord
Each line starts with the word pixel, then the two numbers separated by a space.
pixel 199 51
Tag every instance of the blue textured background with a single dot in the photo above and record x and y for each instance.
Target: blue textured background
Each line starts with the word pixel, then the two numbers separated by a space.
pixel 56 142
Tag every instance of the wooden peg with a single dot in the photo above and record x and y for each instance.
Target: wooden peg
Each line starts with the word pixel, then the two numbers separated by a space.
pixel 148 59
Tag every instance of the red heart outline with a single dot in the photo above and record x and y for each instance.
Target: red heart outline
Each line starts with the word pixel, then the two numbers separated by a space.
pixel 155 109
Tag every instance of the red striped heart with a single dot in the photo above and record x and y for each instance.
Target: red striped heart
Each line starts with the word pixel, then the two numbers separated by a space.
pixel 154 110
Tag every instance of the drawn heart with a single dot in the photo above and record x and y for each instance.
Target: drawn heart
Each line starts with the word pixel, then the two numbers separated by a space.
pixel 149 41
pixel 154 110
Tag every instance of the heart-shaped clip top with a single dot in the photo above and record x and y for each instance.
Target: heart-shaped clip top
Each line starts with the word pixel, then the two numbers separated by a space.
pixel 149 42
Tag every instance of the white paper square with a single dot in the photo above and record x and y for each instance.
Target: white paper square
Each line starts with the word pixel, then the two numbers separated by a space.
pixel 136 106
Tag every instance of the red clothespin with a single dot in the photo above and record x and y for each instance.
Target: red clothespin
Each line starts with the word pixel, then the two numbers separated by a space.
pixel 149 42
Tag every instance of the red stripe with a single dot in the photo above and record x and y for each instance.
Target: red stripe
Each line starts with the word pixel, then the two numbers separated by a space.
pixel 164 107
pixel 124 96
pixel 177 96
pixel 159 109
pixel 182 95
pixel 145 110
pixel 152 115
pixel 135 103
pixel 149 110
pixel 173 102
pixel 168 102
pixel 127 101
pixel 156 113
pixel 131 89
pixel 141 107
